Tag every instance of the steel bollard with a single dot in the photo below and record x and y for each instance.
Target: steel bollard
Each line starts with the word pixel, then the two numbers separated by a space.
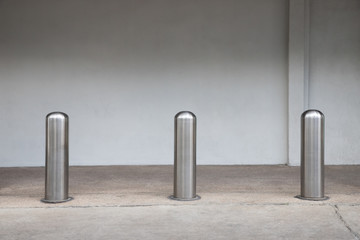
pixel 185 157
pixel 312 155
pixel 57 158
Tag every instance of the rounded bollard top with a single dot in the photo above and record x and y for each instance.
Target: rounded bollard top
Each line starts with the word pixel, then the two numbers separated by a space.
pixel 312 113
pixel 185 115
pixel 57 115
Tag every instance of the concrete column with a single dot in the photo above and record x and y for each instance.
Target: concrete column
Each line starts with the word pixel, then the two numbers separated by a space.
pixel 299 51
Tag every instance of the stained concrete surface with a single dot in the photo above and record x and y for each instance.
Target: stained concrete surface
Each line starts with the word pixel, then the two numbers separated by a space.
pixel 130 202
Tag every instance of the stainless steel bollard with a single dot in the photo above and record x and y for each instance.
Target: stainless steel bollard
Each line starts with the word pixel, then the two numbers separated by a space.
pixel 312 155
pixel 57 158
pixel 185 157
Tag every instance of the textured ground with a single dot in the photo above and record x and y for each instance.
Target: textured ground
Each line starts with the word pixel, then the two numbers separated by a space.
pixel 130 202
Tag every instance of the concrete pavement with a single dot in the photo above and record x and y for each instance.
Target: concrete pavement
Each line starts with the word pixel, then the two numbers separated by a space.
pixel 130 202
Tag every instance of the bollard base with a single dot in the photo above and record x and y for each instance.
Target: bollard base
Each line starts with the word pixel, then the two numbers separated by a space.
pixel 312 198
pixel 172 197
pixel 56 201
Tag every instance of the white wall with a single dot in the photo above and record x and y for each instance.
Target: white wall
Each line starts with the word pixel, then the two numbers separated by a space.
pixel 335 76
pixel 122 69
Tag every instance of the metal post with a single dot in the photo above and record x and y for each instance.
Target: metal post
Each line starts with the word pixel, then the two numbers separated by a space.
pixel 57 158
pixel 312 155
pixel 185 157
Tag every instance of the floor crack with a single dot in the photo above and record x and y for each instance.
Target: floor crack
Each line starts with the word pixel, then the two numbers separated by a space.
pixel 355 234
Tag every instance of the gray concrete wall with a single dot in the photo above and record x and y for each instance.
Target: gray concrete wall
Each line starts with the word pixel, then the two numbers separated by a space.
pixel 324 73
pixel 334 85
pixel 122 69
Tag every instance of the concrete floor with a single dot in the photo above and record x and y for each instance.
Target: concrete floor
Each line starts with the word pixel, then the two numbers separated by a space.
pixel 130 202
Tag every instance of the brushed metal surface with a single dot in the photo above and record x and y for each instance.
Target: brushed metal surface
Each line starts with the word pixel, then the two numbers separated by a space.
pixel 312 155
pixel 185 157
pixel 57 158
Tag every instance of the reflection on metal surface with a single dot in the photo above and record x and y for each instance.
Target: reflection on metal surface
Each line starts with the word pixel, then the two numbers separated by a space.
pixel 185 157
pixel 312 156
pixel 57 158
